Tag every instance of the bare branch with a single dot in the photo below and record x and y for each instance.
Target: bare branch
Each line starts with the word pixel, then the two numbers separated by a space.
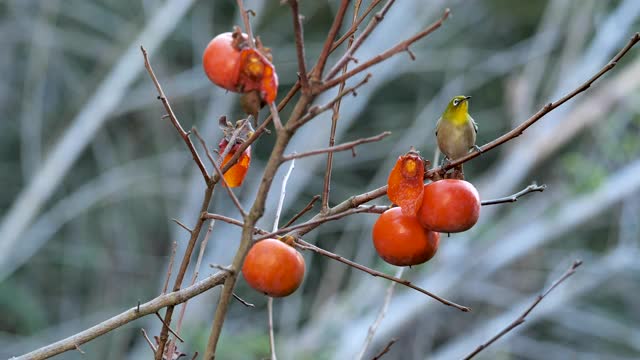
pixel 316 110
pixel 247 23
pixel 170 267
pixel 401 47
pixel 297 30
pixel 522 317
pixel 242 301
pixel 174 120
pixel 307 246
pixel 146 338
pixel 169 327
pixel 383 311
pixel 326 188
pixel 182 225
pixel 513 198
pixel 164 333
pixel 342 147
pixel 348 55
pixel 308 207
pixel 151 307
pixel 316 74
pixel 385 350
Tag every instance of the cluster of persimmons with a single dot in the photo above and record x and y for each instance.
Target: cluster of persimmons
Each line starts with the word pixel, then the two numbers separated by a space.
pixel 406 234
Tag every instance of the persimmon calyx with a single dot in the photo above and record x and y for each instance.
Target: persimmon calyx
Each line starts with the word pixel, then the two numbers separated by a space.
pixel 405 183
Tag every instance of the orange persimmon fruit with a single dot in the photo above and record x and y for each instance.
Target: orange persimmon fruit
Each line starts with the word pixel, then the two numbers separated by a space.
pixel 401 240
pixel 405 183
pixel 449 206
pixel 232 64
pixel 273 268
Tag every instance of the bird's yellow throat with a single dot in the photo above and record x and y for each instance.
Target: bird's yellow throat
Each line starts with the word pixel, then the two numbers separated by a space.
pixel 456 114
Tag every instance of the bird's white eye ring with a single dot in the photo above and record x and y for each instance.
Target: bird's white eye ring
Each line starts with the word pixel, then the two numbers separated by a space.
pixel 456 102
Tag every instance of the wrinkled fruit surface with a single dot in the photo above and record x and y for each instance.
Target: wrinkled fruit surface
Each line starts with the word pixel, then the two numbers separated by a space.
pixel 405 183
pixel 449 206
pixel 400 240
pixel 273 267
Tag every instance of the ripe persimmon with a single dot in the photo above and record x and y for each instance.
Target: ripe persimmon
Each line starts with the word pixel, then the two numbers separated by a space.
pixel 231 63
pixel 449 206
pixel 401 240
pixel 273 268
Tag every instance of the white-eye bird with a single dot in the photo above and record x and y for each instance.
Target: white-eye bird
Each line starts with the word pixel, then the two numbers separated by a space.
pixel 456 130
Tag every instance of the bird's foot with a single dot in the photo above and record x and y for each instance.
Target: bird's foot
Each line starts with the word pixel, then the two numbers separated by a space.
pixel 477 148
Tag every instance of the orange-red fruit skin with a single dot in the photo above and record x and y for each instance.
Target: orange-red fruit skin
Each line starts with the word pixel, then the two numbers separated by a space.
pixel 221 62
pixel 400 240
pixel 239 70
pixel 274 268
pixel 405 183
pixel 449 206
pixel 236 174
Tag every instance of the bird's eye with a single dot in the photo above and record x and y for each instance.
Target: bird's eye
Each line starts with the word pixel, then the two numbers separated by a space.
pixel 455 102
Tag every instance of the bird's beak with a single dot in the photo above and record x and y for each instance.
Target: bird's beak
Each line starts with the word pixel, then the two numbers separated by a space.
pixel 467 97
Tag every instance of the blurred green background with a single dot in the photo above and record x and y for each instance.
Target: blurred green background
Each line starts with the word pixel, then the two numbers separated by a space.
pixel 91 176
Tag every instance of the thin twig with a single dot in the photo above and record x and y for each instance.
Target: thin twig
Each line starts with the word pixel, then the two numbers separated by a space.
pixel 317 110
pixel 196 271
pixel 146 338
pixel 342 147
pixel 172 257
pixel 232 195
pixel 79 350
pixel 299 35
pixel 326 188
pixel 381 314
pixel 126 317
pixel 316 74
pixel 521 318
pixel 272 340
pixel 307 246
pixel 322 219
pixel 400 47
pixel 174 120
pixel 355 25
pixel 513 198
pixel 308 207
pixel 385 350
pixel 243 301
pixel 186 259
pixel 247 24
pixel 182 225
pixel 167 325
pixel 348 55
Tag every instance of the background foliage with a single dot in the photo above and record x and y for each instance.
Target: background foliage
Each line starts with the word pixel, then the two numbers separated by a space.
pixel 99 240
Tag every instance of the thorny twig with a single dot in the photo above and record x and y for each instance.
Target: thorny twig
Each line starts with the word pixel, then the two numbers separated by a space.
pixel 385 350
